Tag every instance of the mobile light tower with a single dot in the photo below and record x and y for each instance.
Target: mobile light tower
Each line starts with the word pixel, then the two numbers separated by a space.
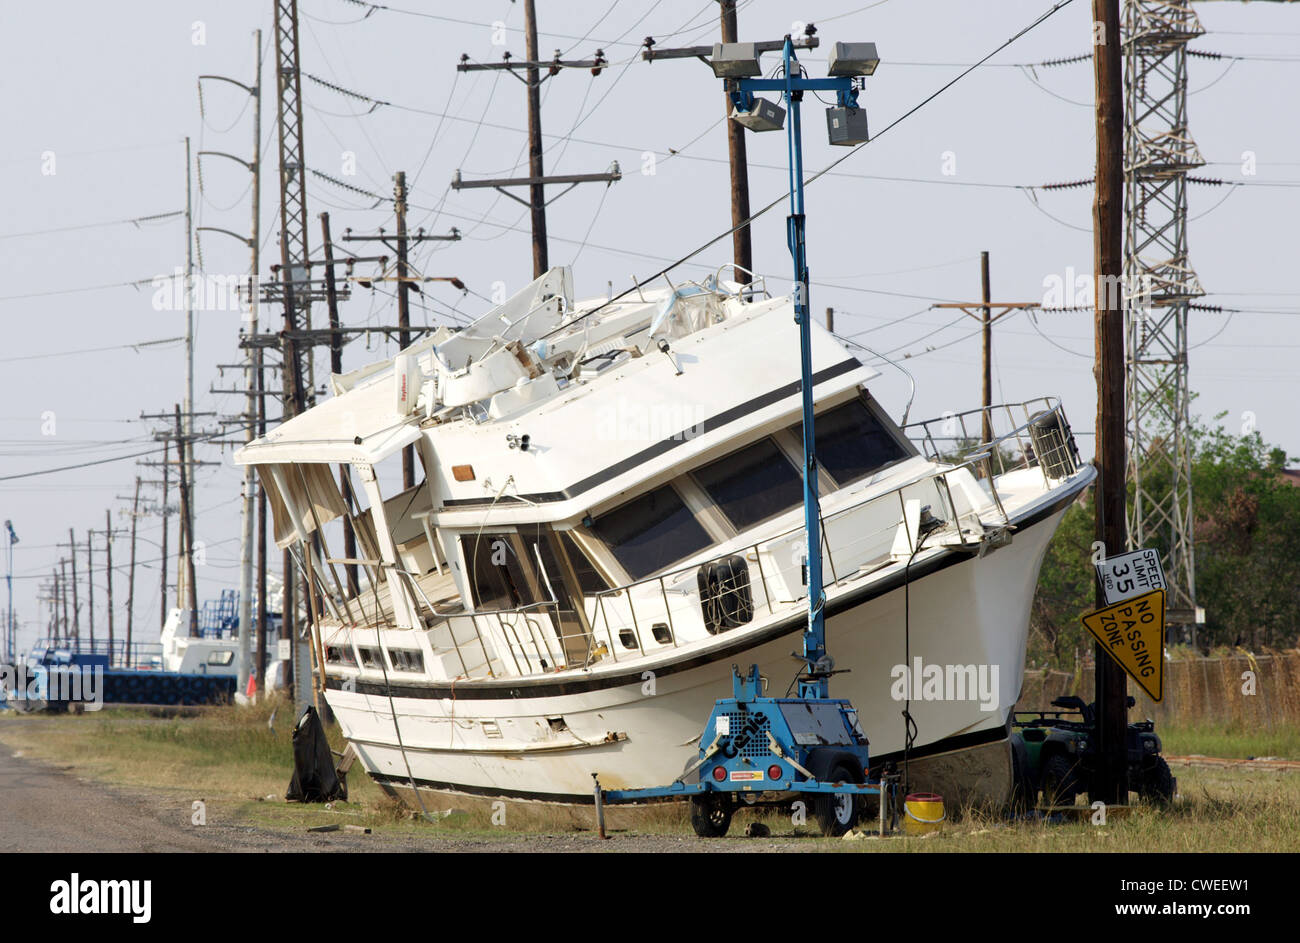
pixel 811 744
pixel 846 124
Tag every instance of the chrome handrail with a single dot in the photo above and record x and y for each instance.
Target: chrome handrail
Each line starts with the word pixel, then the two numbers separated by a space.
pixel 978 461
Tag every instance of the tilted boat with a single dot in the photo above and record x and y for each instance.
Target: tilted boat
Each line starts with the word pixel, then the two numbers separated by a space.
pixel 610 517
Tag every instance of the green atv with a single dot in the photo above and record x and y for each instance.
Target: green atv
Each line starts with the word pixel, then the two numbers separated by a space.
pixel 1054 752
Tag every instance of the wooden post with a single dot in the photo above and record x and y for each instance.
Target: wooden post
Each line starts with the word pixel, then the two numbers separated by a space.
pixel 261 535
pixel 90 584
pixel 76 603
pixel 403 300
pixel 187 527
pixel 336 366
pixel 162 599
pixel 130 573
pixel 987 333
pixel 108 569
pixel 741 247
pixel 63 595
pixel 830 320
pixel 1110 784
pixel 536 192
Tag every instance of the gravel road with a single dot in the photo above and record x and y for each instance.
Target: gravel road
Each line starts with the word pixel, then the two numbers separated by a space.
pixel 48 808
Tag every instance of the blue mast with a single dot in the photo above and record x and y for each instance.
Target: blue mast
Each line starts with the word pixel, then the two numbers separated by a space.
pixel 792 86
pixel 814 638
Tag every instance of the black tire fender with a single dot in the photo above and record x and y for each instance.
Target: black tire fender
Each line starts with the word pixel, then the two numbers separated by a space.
pixel 822 761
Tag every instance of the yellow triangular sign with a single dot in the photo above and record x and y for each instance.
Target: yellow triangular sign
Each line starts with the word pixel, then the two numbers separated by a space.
pixel 1133 632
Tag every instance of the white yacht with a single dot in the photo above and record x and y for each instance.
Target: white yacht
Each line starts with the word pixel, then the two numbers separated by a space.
pixel 609 516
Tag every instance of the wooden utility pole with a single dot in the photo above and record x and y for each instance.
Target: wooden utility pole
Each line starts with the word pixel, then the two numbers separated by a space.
pixel 90 584
pixel 1110 782
pixel 336 366
pixel 741 239
pixel 830 320
pixel 130 573
pixel 404 282
pixel 537 191
pixel 404 286
pixel 536 180
pixel 62 589
pixel 108 569
pixel 162 599
pixel 741 247
pixel 187 524
pixel 76 604
pixel 986 334
pixel 983 312
pixel 261 535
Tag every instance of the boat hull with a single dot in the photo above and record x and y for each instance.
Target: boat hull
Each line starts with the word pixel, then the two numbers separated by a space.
pixel 545 741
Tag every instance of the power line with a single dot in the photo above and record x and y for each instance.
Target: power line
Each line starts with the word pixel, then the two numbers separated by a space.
pixel 71 291
pixel 133 221
pixel 231 427
pixel 94 350
pixel 1061 4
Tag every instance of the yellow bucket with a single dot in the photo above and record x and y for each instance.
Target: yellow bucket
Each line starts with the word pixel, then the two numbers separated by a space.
pixel 923 812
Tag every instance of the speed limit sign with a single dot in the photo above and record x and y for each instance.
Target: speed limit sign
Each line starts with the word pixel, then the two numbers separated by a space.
pixel 1130 574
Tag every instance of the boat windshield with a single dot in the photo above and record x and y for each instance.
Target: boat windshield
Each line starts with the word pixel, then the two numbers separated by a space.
pixel 651 532
pixel 853 442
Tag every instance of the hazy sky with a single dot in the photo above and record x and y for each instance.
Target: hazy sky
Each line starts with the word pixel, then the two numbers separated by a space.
pixel 98 98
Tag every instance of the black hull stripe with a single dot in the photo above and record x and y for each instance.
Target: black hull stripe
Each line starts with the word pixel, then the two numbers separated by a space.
pixel 713 423
pixel 516 689
pixel 951 744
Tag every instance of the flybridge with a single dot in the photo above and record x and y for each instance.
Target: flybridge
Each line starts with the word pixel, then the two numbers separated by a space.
pixel 523 352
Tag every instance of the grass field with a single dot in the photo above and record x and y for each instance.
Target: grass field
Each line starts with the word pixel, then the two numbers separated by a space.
pixel 1232 743
pixel 231 758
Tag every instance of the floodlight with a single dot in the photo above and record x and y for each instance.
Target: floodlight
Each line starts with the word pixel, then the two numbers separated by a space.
pixel 852 59
pixel 846 126
pixel 763 116
pixel 735 61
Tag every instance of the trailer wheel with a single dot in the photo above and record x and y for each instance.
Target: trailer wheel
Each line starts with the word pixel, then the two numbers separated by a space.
pixel 1157 783
pixel 710 815
pixel 1060 782
pixel 837 812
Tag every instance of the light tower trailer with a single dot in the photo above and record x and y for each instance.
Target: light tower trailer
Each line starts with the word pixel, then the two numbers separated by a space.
pixel 781 748
pixel 810 744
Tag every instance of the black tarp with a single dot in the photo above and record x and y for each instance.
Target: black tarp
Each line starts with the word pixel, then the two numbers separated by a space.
pixel 314 776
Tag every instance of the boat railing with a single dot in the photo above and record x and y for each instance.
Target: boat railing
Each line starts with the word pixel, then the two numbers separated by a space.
pixel 731 589
pixel 120 654
pixel 750 288
pixel 531 638
pixel 1039 437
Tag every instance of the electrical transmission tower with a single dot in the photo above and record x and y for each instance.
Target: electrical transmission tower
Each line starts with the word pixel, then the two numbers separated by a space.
pixel 295 294
pixel 297 374
pixel 1159 154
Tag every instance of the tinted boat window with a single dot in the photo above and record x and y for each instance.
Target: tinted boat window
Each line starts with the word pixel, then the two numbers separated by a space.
pixel 851 443
pixel 753 484
pixel 590 582
pixel 496 575
pixel 651 532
